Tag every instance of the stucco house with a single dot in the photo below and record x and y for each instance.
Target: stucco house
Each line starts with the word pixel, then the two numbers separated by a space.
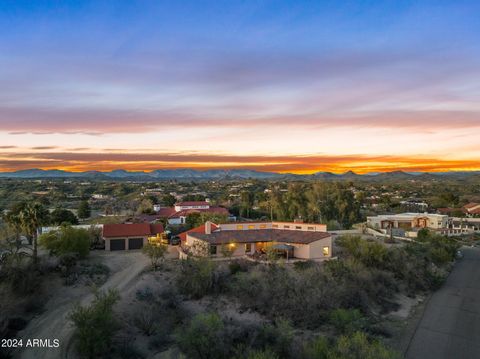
pixel 297 240
pixel 408 221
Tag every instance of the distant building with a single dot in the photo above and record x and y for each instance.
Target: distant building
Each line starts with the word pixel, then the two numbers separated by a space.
pixel 472 209
pixel 177 215
pixel 191 205
pixel 408 221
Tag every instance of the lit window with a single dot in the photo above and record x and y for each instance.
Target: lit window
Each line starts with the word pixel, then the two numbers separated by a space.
pixel 326 251
pixel 251 226
pixel 274 225
pixel 239 226
pixel 298 227
pixel 248 247
pixel 263 226
pixel 286 226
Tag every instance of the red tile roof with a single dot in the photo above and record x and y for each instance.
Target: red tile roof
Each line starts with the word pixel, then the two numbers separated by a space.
pixel 199 229
pixel 166 212
pixel 471 205
pixel 261 235
pixel 131 230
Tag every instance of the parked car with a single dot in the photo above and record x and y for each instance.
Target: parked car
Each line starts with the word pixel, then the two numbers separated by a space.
pixel 175 241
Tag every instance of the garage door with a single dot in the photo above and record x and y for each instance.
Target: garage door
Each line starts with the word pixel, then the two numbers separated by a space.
pixel 117 244
pixel 135 243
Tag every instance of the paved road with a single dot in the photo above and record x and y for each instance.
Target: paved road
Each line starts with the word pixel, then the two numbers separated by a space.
pixel 450 327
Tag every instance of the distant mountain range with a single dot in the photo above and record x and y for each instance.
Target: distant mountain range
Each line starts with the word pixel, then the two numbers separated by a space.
pixel 191 174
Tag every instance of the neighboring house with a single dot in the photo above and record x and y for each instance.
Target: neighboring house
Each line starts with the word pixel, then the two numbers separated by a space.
pixel 191 205
pixel 178 214
pixel 472 209
pixel 129 236
pixel 299 240
pixel 408 221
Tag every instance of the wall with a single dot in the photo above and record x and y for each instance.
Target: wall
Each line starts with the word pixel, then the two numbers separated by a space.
pixel 309 227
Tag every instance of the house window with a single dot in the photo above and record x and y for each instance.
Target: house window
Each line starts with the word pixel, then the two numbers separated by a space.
pixel 311 228
pixel 251 226
pixel 286 226
pixel 298 227
pixel 248 247
pixel 239 226
pixel 213 249
pixel 326 251
pixel 274 225
pixel 263 226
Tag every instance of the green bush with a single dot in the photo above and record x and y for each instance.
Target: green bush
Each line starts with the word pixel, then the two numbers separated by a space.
pixel 156 253
pixel 354 346
pixel 319 348
pixel 357 346
pixel 347 321
pixel 67 240
pixel 204 338
pixel 262 354
pixel 197 277
pixel 95 325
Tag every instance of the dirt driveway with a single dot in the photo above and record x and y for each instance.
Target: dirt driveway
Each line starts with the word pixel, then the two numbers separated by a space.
pixel 53 323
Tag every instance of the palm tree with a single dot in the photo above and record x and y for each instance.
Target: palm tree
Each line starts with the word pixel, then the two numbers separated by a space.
pixel 14 222
pixel 32 216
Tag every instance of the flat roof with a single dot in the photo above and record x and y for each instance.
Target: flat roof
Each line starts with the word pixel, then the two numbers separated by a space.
pixel 261 235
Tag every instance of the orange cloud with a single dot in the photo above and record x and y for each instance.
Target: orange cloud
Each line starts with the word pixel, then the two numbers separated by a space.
pixel 105 161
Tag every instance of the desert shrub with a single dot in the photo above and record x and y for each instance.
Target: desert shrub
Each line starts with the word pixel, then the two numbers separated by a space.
pixel 347 321
pixel 319 348
pixel 371 254
pixel 199 277
pixel 25 279
pixel 239 266
pixel 423 234
pixel 145 320
pixel 156 253
pixel 303 265
pixel 354 346
pixel 204 338
pixel 277 338
pixel 357 346
pixel 145 294
pixel 126 349
pixel 67 240
pixel 158 316
pixel 306 297
pixel 262 354
pixel 95 325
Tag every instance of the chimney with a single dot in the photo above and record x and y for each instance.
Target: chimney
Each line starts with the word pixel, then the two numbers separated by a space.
pixel 208 227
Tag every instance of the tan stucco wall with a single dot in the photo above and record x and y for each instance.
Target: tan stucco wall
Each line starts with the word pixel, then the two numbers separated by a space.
pixel 316 248
pixel 309 227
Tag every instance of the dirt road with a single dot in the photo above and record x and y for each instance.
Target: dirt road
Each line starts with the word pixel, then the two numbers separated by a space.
pixel 53 323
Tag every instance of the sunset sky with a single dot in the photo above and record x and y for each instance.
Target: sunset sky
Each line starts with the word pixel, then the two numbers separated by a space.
pixel 287 86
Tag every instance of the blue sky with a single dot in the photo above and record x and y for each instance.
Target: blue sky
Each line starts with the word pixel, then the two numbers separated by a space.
pixel 240 78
